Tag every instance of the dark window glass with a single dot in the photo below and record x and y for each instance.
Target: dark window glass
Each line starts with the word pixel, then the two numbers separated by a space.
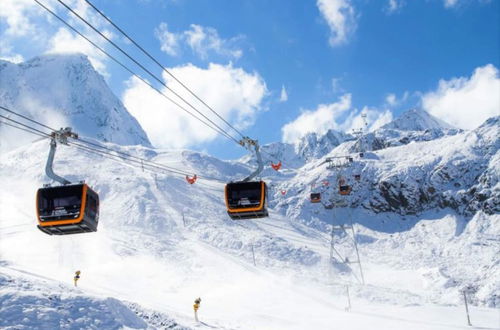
pixel 60 202
pixel 246 194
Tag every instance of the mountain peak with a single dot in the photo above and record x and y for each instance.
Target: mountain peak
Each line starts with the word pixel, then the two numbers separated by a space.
pixel 65 90
pixel 417 120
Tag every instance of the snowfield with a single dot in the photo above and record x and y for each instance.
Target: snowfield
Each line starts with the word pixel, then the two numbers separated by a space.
pixel 425 214
pixel 161 243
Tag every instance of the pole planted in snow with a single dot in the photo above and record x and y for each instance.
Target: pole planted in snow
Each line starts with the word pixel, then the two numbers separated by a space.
pixel 253 254
pixel 348 299
pixel 466 307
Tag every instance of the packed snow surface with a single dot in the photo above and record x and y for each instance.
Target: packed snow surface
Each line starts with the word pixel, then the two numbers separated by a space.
pixel 161 243
pixel 425 214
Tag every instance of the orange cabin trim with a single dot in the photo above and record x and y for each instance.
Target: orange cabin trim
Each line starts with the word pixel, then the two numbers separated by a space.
pixel 64 222
pixel 249 209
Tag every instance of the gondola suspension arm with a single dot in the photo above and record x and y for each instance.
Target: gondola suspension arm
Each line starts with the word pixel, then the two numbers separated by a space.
pixel 249 143
pixel 60 136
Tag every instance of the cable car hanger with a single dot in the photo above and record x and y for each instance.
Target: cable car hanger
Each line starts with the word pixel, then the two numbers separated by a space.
pixel 60 136
pixel 248 143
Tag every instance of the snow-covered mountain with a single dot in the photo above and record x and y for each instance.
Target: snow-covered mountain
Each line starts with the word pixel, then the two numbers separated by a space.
pixel 65 90
pixel 425 213
pixel 411 126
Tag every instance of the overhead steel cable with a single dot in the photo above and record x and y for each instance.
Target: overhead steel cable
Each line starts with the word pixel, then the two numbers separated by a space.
pixel 107 150
pixel 22 129
pixel 26 126
pixel 132 72
pixel 130 159
pixel 163 67
pixel 132 163
pixel 27 118
pixel 143 67
pixel 142 162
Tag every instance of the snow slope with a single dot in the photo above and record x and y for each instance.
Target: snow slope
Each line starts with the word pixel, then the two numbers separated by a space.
pixel 65 90
pixel 143 252
pixel 425 215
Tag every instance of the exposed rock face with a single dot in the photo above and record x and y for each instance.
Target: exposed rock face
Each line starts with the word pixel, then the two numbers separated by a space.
pixel 457 171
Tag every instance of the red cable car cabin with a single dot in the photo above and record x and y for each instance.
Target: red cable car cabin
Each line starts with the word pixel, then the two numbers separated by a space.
pixel 246 200
pixel 68 209
pixel 276 167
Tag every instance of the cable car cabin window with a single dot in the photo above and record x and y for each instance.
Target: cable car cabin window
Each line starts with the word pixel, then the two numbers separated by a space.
pixel 63 202
pixel 244 194
pixel 345 190
pixel 92 208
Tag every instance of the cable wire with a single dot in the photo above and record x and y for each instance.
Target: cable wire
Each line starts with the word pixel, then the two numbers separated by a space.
pixel 132 72
pixel 22 129
pixel 27 118
pixel 107 151
pixel 24 125
pixel 162 66
pixel 142 67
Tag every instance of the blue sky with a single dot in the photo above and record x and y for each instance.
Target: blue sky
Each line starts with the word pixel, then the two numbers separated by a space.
pixel 280 69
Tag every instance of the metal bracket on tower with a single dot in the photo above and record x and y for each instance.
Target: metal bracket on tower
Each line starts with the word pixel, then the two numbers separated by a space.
pixel 249 143
pixel 60 136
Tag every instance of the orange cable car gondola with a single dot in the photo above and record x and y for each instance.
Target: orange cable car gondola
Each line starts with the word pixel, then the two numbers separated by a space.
pixel 247 199
pixel 68 208
pixel 315 197
pixel 345 190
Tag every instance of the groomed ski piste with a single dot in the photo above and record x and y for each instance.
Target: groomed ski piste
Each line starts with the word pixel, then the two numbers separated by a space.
pixel 161 243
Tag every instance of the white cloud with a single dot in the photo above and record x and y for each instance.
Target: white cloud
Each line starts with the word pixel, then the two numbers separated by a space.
pixel 336 86
pixel 373 117
pixel 393 6
pixel 17 13
pixel 319 120
pixel 284 94
pixel 333 116
pixel 456 3
pixel 65 42
pixel 340 17
pixel 466 102
pixel 201 40
pixel 235 94
pixel 169 41
pixel 390 99
pixel 7 54
pixel 450 3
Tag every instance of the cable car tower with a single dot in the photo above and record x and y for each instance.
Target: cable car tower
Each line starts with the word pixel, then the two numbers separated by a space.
pixel 359 133
pixel 342 254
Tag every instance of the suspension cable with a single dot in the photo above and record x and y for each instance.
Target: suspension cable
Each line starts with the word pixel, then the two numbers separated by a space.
pixel 106 151
pixel 141 66
pixel 27 118
pixel 22 129
pixel 26 126
pixel 133 73
pixel 162 67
